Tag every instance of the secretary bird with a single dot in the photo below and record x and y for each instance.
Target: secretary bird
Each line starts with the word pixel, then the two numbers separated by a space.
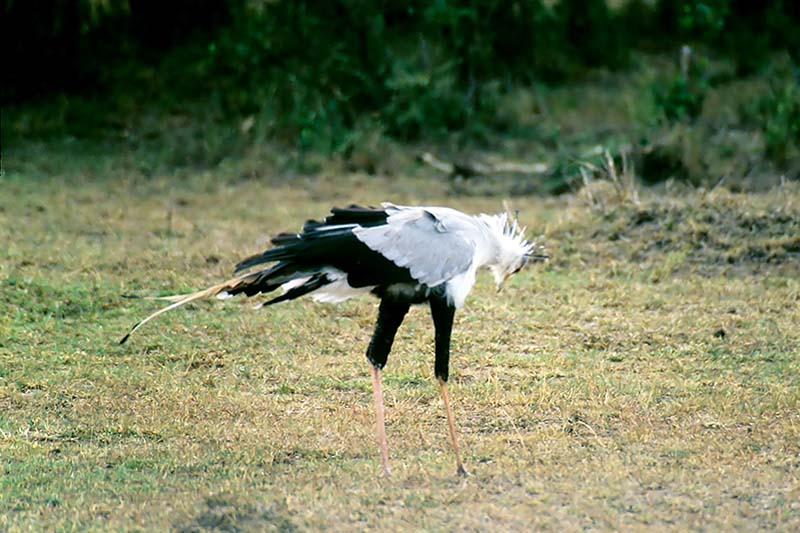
pixel 403 255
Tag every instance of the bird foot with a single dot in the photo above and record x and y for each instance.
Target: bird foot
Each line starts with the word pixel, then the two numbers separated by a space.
pixel 461 471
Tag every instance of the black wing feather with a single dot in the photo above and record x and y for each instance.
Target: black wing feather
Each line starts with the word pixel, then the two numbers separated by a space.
pixel 328 244
pixel 317 281
pixel 355 214
pixel 287 243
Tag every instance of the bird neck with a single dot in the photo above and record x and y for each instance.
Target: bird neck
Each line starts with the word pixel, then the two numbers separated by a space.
pixel 493 246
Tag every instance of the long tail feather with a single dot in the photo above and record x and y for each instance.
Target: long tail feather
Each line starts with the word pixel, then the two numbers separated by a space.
pixel 182 299
pixel 169 298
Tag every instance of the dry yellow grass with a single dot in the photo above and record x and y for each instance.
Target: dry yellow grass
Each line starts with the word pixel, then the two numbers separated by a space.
pixel 647 377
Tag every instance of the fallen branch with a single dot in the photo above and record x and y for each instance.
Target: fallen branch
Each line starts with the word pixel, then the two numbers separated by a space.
pixel 474 168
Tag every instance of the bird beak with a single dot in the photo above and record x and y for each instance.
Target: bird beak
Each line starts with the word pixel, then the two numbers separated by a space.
pixel 500 284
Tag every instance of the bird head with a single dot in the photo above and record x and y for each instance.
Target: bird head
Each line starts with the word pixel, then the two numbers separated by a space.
pixel 513 250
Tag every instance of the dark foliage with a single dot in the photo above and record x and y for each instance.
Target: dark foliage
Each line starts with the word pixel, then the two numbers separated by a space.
pixel 311 73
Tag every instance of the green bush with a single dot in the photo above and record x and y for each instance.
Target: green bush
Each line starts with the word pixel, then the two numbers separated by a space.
pixel 680 98
pixel 312 79
pixel 310 69
pixel 780 122
pixel 311 74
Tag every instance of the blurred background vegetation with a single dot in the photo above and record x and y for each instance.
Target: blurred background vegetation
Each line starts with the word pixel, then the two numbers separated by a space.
pixel 698 91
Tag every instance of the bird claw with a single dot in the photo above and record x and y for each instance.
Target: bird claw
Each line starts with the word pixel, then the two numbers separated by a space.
pixel 461 471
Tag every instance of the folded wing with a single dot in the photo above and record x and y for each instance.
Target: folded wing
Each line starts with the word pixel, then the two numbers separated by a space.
pixel 430 243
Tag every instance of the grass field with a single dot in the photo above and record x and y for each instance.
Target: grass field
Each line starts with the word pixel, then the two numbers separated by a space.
pixel 648 376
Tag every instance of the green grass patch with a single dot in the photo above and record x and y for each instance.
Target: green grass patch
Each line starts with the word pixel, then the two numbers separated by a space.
pixel 647 376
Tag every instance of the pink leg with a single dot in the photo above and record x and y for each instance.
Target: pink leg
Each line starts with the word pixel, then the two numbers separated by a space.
pixel 377 393
pixel 452 427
